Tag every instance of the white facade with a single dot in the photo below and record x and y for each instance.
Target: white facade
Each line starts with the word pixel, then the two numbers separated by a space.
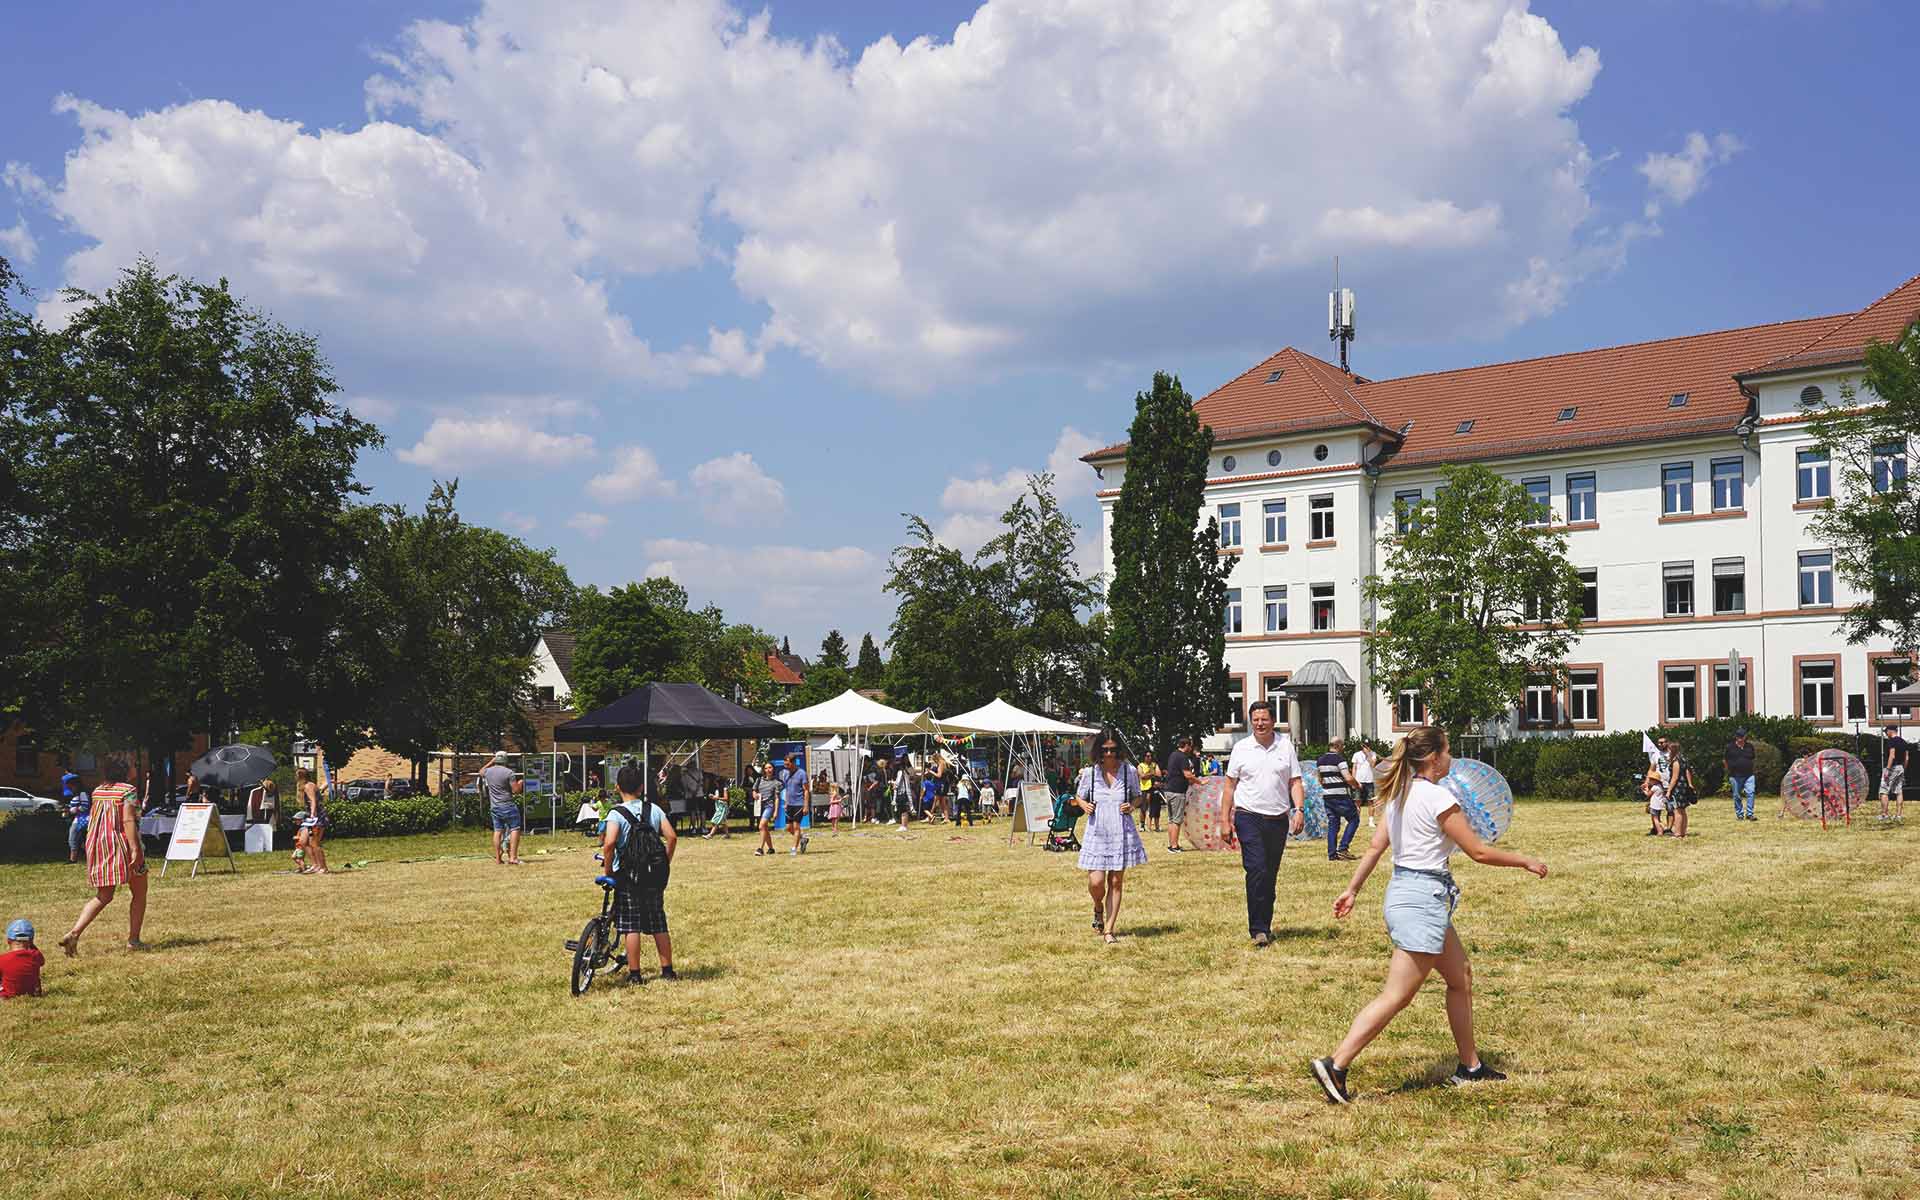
pixel 1646 657
pixel 549 685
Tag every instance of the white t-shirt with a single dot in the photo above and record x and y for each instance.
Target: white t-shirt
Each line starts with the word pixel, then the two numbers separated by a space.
pixel 1263 775
pixel 1413 827
pixel 1363 767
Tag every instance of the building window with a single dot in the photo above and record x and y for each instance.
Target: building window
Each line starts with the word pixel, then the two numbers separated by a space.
pixel 1889 466
pixel 1320 518
pixel 1725 703
pixel 1583 695
pixel 1678 577
pixel 1229 526
pixel 1275 512
pixel 1813 476
pixel 1540 494
pixel 1890 673
pixel 1590 594
pixel 1273 458
pixel 1676 489
pixel 1580 495
pixel 1540 707
pixel 1404 505
pixel 1729 484
pixel 1233 610
pixel 543 694
pixel 1680 684
pixel 1237 696
pixel 1227 464
pixel 1409 708
pixel 1816 689
pixel 1272 690
pixel 1729 585
pixel 1276 609
pixel 1322 606
pixel 26 756
pixel 1816 578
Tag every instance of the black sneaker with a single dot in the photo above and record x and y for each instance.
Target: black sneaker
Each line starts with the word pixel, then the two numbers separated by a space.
pixel 667 973
pixel 633 979
pixel 1176 850
pixel 1480 1074
pixel 1333 1080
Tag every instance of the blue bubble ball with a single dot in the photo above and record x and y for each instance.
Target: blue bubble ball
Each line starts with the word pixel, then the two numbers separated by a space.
pixel 1316 810
pixel 1484 795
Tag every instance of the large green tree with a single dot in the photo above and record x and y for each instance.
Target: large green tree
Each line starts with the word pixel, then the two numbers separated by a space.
pixel 1873 521
pixel 868 670
pixel 1055 652
pixel 1478 597
pixel 623 639
pixel 833 650
pixel 177 484
pixel 1167 646
pixel 951 639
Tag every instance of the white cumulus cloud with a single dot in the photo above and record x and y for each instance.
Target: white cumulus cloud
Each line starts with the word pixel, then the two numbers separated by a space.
pixel 1677 178
pixel 973 506
pixel 592 524
pixel 1028 191
pixel 519 522
pixel 451 443
pixel 792 581
pixel 734 490
pixel 635 475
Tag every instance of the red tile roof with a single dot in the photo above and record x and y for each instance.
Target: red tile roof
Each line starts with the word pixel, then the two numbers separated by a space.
pixel 1618 394
pixel 1882 321
pixel 782 674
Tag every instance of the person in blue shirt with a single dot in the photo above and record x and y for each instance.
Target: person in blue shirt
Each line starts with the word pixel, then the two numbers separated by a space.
pixel 794 794
pixel 79 804
pixel 638 910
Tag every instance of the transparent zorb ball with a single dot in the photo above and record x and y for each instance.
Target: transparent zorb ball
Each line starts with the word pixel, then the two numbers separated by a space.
pixel 1831 783
pixel 1316 811
pixel 1484 795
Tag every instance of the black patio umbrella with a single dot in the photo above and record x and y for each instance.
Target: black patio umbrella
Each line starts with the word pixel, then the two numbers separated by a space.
pixel 237 766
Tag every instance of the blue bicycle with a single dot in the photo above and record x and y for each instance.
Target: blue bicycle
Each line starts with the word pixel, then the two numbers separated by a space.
pixel 597 944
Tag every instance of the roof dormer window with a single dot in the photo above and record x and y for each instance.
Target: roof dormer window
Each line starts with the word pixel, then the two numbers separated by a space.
pixel 1277 373
pixel 1465 426
pixel 1566 414
pixel 1678 400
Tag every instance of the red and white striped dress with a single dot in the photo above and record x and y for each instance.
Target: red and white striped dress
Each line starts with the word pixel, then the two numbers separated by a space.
pixel 108 856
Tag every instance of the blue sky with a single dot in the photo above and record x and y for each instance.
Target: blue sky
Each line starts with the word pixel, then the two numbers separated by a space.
pixel 682 288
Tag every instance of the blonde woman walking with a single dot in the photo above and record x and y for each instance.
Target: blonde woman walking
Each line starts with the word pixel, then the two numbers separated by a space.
pixel 114 856
pixel 1423 825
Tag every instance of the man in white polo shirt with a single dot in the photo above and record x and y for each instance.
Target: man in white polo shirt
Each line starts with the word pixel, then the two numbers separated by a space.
pixel 1264 797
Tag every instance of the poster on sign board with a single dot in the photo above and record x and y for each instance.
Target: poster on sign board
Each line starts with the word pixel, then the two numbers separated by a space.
pixel 196 836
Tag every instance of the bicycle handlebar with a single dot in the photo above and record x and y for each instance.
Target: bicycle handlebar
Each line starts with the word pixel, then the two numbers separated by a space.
pixel 606 881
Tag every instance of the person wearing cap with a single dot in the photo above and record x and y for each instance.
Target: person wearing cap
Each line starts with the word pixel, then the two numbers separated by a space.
pixel 501 789
pixel 78 803
pixel 1739 764
pixel 1893 774
pixel 20 965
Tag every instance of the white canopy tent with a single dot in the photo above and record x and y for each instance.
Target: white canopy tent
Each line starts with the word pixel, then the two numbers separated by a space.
pixel 1024 729
pixel 858 718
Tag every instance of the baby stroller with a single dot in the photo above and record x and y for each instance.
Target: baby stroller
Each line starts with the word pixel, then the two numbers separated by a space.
pixel 1066 815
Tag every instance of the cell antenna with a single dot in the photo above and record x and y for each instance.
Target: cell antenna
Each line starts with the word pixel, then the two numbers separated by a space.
pixel 1340 315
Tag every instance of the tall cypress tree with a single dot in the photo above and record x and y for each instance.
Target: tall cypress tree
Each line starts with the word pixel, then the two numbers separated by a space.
pixel 1168 646
pixel 869 671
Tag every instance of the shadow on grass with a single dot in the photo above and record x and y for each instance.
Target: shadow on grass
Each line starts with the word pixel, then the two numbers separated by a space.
pixel 702 972
pixel 1151 931
pixel 1298 931
pixel 180 943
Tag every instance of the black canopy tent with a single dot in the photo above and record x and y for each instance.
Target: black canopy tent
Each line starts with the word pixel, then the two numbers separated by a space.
pixel 677 712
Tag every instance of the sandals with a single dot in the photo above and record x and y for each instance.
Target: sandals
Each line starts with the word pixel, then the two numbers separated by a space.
pixel 1111 939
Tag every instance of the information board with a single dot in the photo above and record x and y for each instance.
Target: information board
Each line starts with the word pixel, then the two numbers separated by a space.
pixel 197 835
pixel 1034 811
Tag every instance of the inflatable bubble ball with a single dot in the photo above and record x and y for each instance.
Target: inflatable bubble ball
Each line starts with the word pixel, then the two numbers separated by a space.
pixel 1828 785
pixel 1316 822
pixel 1484 795
pixel 1204 824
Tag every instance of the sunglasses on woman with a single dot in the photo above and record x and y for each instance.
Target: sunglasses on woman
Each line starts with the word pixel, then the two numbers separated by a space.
pixel 1109 749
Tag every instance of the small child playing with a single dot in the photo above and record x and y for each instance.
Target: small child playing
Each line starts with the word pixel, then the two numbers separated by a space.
pixel 719 822
pixel 836 807
pixel 20 965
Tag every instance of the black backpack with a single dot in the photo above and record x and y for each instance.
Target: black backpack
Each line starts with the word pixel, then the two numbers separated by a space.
pixel 643 862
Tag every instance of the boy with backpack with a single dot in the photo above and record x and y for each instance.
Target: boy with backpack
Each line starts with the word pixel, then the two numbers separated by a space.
pixel 637 851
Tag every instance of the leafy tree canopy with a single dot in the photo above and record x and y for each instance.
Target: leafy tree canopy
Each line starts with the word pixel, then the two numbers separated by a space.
pixel 1873 521
pixel 869 671
pixel 1478 596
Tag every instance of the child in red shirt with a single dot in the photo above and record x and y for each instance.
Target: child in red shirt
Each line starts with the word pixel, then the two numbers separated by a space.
pixel 20 965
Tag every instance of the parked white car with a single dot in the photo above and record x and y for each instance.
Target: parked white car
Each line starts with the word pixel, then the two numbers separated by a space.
pixel 13 799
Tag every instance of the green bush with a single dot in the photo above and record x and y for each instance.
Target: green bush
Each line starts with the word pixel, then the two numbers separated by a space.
pixel 32 836
pixel 387 818
pixel 1595 767
pixel 1801 747
pixel 1768 767
pixel 1518 760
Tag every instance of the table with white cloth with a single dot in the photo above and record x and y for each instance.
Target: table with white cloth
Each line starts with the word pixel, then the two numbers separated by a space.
pixel 155 825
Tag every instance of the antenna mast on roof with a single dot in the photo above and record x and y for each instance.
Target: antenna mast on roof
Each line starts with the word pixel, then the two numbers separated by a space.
pixel 1340 315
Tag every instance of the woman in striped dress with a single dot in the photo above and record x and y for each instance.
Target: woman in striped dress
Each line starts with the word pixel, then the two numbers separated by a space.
pixel 1108 792
pixel 114 856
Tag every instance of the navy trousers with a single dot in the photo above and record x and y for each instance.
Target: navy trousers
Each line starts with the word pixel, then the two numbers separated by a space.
pixel 1263 840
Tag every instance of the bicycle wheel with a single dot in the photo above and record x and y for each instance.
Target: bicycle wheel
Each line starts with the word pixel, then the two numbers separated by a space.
pixel 590 955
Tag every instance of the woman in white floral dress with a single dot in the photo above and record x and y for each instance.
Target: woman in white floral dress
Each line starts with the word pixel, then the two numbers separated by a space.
pixel 1108 792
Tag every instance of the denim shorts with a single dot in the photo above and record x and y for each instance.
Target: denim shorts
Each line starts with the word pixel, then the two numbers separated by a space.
pixel 1419 909
pixel 506 818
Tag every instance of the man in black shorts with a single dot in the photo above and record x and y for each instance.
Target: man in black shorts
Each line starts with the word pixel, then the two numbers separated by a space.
pixel 1174 782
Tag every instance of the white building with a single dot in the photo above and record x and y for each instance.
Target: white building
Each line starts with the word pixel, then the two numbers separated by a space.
pixel 1682 470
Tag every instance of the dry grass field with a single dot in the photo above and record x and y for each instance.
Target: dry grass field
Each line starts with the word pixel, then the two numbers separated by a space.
pixel 1732 1016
